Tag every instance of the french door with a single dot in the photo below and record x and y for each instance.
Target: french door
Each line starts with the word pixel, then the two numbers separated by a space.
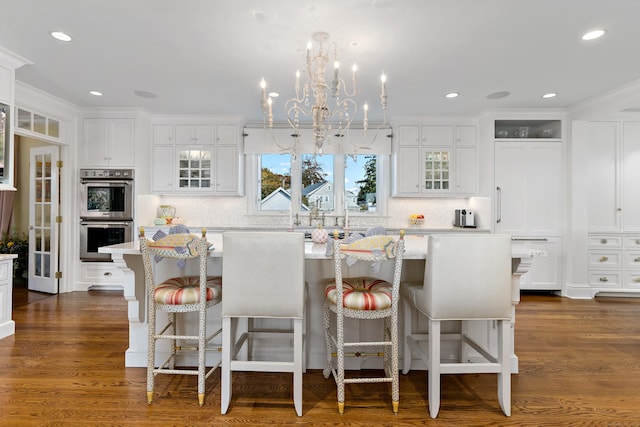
pixel 44 204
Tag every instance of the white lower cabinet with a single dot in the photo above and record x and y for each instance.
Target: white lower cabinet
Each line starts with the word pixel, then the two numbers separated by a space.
pixel 546 272
pixel 614 262
pixel 7 325
pixel 101 275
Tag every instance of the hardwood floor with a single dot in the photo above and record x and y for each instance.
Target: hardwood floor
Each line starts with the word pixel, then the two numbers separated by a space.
pixel 579 366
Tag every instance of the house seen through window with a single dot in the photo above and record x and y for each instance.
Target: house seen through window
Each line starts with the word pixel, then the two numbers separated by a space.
pixel 317 182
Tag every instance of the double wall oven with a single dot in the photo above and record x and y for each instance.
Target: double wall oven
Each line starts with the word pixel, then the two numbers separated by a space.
pixel 106 210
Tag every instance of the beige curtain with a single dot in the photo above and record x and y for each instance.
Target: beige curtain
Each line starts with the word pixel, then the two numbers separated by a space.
pixel 6 208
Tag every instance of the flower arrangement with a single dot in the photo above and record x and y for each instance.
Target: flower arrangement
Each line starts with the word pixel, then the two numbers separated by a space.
pixel 17 244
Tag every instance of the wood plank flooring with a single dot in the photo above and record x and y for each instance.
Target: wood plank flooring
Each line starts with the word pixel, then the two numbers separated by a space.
pixel 579 366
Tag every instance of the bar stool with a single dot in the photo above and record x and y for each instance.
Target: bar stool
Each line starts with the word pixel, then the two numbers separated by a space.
pixel 263 274
pixel 364 297
pixel 178 295
pixel 468 278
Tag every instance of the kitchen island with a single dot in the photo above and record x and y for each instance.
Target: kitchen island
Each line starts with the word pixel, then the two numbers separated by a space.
pixel 319 268
pixel 7 325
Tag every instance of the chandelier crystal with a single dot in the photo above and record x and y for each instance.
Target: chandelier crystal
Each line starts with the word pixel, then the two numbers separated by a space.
pixel 324 99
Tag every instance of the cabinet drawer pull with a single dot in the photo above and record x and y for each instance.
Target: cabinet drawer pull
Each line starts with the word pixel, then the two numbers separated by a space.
pixel 108 273
pixel 604 259
pixel 604 279
pixel 637 279
pixel 603 241
pixel 637 259
pixel 637 241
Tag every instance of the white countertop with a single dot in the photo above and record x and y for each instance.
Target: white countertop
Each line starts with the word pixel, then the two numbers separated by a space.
pixel 7 256
pixel 415 248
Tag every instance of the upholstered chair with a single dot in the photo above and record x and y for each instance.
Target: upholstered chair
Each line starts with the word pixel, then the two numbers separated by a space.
pixel 177 296
pixel 364 297
pixel 263 274
pixel 467 278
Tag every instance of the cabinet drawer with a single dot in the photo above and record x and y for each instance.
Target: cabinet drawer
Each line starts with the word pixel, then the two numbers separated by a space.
pixel 632 279
pixel 605 241
pixel 101 273
pixel 631 242
pixel 4 270
pixel 601 259
pixel 632 259
pixel 609 279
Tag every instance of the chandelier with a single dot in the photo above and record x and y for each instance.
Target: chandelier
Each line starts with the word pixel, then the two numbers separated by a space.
pixel 324 99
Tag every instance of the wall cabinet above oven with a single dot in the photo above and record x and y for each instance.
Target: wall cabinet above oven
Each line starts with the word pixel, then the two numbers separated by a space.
pixel 108 143
pixel 196 159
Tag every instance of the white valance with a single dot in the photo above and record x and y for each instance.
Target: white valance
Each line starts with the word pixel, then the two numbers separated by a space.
pixel 259 140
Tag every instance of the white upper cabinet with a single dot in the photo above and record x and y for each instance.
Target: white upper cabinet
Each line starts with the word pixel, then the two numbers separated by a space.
pixel 194 134
pixel 614 176
pixel 604 207
pixel 435 160
pixel 108 143
pixel 196 158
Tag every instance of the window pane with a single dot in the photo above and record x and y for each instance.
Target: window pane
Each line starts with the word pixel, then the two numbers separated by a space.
pixel 317 177
pixel 275 182
pixel 360 186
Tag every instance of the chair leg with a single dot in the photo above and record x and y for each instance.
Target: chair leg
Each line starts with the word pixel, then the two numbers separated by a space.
pixel 406 361
pixel 151 350
pixel 225 381
pixel 504 358
pixel 327 338
pixel 202 334
pixel 340 371
pixel 434 368
pixel 297 364
pixel 395 383
pixel 173 343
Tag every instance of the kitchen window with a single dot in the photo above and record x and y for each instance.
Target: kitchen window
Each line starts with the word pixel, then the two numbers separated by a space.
pixel 344 176
pixel 329 183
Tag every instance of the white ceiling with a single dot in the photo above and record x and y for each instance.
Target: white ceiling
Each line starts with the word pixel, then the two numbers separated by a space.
pixel 207 57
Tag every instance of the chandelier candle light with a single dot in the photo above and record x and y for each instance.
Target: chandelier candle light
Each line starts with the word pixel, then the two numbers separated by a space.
pixel 312 98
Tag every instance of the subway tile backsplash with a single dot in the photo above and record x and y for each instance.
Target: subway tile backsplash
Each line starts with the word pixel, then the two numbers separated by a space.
pixel 232 212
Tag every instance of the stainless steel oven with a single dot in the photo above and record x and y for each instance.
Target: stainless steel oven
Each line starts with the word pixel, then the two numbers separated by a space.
pixel 106 194
pixel 94 234
pixel 106 210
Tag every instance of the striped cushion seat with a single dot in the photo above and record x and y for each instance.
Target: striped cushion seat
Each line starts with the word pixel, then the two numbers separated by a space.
pixel 361 293
pixel 186 290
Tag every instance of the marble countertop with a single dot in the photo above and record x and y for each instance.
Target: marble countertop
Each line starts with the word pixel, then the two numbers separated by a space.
pixel 7 256
pixel 415 248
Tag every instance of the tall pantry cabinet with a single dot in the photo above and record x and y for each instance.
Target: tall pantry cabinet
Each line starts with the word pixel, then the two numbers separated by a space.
pixel 614 206
pixel 528 194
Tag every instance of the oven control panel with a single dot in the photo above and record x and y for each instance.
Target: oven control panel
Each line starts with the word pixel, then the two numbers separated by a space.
pixel 106 173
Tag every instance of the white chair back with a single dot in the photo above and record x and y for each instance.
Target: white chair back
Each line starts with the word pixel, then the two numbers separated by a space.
pixel 263 274
pixel 468 276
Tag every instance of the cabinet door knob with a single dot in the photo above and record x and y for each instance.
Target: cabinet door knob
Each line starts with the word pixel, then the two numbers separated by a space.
pixel 638 242
pixel 108 273
pixel 604 259
pixel 604 279
pixel 637 279
pixel 637 259
pixel 603 241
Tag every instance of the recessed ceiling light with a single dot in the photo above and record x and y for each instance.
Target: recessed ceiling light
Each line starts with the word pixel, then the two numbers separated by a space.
pixel 452 95
pixel 594 34
pixel 274 94
pixel 355 43
pixel 61 36
pixel 498 95
pixel 550 95
pixel 145 94
pixel 95 93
